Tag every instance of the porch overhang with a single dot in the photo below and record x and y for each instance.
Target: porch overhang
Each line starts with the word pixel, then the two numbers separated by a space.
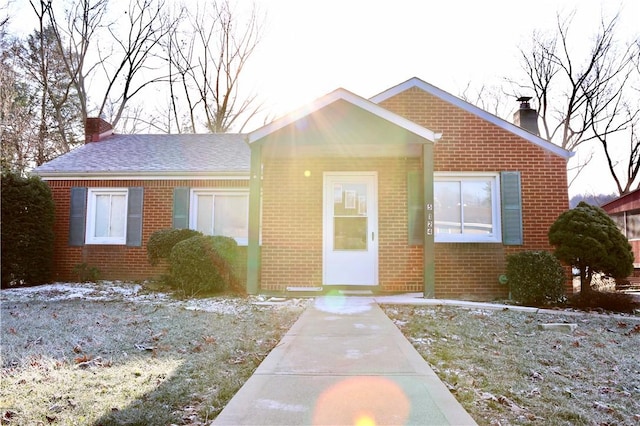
pixel 342 124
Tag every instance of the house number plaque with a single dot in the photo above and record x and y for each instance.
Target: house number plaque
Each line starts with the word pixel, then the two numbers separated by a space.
pixel 429 219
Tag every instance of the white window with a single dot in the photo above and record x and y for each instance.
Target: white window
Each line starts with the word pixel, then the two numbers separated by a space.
pixel 107 216
pixel 467 207
pixel 218 212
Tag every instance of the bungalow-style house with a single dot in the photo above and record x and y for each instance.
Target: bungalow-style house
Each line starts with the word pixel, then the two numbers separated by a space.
pixel 413 190
pixel 625 212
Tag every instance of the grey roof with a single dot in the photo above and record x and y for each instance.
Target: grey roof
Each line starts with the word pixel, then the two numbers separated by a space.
pixel 152 154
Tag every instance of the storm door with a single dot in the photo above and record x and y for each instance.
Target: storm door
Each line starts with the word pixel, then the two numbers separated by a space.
pixel 350 228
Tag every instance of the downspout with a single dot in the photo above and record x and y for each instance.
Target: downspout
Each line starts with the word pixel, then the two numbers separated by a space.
pixel 255 195
pixel 429 260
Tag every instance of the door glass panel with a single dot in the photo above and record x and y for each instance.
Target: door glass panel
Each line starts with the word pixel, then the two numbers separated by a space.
pixel 350 222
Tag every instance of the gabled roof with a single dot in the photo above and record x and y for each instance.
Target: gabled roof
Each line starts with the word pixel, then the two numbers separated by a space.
pixel 153 155
pixel 445 96
pixel 624 203
pixel 347 96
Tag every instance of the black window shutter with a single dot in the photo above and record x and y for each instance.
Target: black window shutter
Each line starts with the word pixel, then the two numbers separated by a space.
pixel 77 215
pixel 415 196
pixel 511 199
pixel 181 208
pixel 134 216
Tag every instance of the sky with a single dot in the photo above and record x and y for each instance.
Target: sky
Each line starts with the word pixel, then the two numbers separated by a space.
pixel 311 47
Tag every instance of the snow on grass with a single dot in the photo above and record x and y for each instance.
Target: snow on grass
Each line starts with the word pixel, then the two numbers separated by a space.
pixel 118 353
pixel 136 293
pixel 505 367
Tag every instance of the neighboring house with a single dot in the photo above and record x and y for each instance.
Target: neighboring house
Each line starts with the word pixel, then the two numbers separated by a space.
pixel 413 190
pixel 625 212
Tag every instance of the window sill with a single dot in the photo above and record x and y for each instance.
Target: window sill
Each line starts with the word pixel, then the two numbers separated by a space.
pixel 106 243
pixel 468 240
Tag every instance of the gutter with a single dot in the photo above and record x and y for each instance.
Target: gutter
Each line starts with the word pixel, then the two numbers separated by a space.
pixel 230 175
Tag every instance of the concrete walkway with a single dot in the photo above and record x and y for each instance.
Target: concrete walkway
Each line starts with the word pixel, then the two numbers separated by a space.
pixel 344 362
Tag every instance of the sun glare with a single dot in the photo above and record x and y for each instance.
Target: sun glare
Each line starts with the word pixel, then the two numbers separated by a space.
pixel 365 420
pixel 362 401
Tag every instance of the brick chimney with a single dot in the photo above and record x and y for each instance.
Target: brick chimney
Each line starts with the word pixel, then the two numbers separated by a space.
pixel 526 117
pixel 96 129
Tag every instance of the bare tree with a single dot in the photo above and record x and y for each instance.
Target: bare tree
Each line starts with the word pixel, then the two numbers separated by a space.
pixel 146 29
pixel 579 97
pixel 83 20
pixel 15 112
pixel 615 120
pixel 207 56
pixel 41 70
pixel 488 97
pixel 123 63
pixel 35 113
pixel 58 109
pixel 4 19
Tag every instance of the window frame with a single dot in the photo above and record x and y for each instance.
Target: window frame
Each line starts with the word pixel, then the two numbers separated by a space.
pixel 92 195
pixel 193 207
pixel 496 219
pixel 624 215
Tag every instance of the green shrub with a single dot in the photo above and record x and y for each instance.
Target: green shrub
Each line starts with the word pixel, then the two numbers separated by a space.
pixel 161 242
pixel 27 230
pixel 204 264
pixel 535 277
pixel 586 238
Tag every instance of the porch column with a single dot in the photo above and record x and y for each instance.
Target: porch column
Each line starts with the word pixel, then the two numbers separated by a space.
pixel 255 194
pixel 428 247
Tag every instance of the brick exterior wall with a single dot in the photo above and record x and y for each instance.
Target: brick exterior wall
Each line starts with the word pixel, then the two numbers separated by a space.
pixel 292 205
pixel 119 262
pixel 292 222
pixel 472 144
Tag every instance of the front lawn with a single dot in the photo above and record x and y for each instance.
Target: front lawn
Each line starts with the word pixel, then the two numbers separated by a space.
pixel 106 355
pixel 114 353
pixel 504 369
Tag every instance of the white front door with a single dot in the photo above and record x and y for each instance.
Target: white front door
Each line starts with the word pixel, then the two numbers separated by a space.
pixel 350 228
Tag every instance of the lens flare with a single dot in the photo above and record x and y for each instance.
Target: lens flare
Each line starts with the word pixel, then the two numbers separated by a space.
pixel 365 420
pixel 337 303
pixel 362 401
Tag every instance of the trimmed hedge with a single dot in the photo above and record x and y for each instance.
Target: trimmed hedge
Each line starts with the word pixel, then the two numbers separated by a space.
pixel 27 230
pixel 204 264
pixel 161 242
pixel 535 277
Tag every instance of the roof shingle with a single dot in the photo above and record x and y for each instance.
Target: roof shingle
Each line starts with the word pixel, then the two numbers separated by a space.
pixel 156 154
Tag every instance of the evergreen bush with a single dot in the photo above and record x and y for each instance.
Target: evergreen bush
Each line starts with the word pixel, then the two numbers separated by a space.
pixel 161 242
pixel 204 264
pixel 588 239
pixel 27 230
pixel 535 277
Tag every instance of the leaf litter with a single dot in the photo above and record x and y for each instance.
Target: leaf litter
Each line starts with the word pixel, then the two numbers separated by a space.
pixel 505 369
pixel 115 353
